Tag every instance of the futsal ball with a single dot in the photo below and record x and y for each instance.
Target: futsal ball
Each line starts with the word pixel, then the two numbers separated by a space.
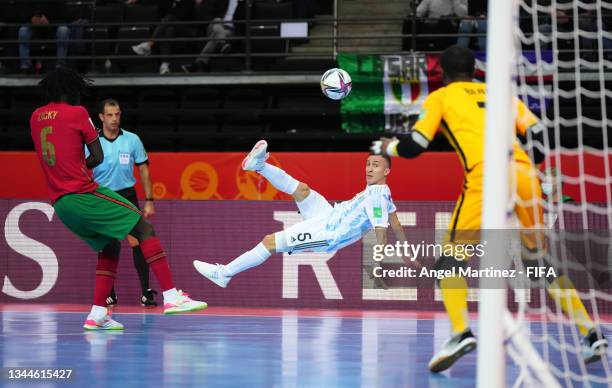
pixel 336 84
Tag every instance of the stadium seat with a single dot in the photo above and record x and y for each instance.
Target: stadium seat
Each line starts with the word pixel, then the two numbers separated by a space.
pixel 158 138
pixel 16 137
pixel 201 98
pixel 272 10
pixel 241 129
pixel 246 99
pixel 134 64
pixel 190 131
pixel 141 13
pixel 196 116
pixel 158 99
pixel 102 48
pixel 267 45
pixel 109 14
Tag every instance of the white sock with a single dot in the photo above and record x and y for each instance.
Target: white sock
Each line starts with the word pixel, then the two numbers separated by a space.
pixel 248 259
pixel 97 312
pixel 279 179
pixel 170 295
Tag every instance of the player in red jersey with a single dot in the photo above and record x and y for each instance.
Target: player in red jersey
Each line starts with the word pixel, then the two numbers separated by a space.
pixel 96 214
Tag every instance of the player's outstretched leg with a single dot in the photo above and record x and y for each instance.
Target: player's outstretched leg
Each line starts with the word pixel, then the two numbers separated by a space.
pixel 222 274
pixel 454 295
pixel 106 271
pixel 175 301
pixel 256 161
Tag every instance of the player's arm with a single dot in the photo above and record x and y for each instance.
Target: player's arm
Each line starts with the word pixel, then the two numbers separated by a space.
pixel 397 227
pixel 381 235
pixel 418 138
pixel 142 161
pixel 400 235
pixel 145 178
pixel 89 137
pixel 530 132
pixel 96 155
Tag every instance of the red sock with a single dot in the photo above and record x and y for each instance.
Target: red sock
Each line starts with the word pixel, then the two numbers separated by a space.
pixel 106 271
pixel 156 258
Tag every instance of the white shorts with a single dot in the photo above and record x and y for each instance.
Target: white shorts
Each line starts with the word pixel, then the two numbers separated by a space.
pixel 306 236
pixel 309 235
pixel 314 205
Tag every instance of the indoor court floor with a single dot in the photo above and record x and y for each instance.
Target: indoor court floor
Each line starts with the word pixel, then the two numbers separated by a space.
pixel 239 347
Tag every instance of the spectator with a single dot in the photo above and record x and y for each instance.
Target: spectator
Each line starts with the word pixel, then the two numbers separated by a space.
pixel 177 10
pixel 217 32
pixel 439 14
pixel 477 20
pixel 37 15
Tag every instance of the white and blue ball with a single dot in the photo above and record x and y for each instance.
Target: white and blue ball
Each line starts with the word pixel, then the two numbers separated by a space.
pixel 336 84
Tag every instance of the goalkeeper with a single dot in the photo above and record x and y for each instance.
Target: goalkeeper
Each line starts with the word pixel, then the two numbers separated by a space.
pixel 458 111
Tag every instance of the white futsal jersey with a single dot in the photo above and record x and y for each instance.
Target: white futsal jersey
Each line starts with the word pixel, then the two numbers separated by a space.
pixel 328 228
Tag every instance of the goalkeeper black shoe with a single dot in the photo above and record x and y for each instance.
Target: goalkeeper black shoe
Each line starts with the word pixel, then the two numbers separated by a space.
pixel 594 345
pixel 454 348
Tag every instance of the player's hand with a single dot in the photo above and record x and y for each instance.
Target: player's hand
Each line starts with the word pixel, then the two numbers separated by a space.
pixel 382 146
pixel 149 209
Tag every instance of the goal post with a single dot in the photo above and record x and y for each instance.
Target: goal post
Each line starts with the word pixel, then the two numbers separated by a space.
pixel 491 366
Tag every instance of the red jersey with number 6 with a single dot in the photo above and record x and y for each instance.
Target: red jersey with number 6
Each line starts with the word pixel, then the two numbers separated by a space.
pixel 59 131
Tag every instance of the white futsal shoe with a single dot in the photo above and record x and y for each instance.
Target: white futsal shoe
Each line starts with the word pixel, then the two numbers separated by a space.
pixel 184 304
pixel 106 323
pixel 214 273
pixel 256 159
pixel 454 348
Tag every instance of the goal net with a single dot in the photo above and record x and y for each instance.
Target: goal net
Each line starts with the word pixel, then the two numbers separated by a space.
pixel 563 57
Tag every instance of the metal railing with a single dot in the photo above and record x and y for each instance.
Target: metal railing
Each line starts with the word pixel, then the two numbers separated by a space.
pixel 250 51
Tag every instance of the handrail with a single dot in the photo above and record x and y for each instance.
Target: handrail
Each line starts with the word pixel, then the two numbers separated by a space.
pixel 324 52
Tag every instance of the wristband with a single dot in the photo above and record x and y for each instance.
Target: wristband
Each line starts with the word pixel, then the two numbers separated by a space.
pixel 149 199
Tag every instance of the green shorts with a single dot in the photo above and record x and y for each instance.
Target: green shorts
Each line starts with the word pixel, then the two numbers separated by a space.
pixel 98 217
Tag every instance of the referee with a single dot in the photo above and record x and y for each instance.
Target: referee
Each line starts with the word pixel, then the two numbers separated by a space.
pixel 123 150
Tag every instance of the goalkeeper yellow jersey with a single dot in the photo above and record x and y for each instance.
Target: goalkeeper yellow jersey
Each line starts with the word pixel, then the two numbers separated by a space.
pixel 458 110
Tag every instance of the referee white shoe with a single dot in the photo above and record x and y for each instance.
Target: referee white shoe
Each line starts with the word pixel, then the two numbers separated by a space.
pixel 214 273
pixel 255 160
pixel 454 348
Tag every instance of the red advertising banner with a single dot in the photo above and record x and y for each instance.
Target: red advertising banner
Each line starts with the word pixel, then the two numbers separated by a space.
pixel 218 175
pixel 433 176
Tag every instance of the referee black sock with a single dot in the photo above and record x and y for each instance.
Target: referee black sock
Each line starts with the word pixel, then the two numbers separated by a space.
pixel 141 267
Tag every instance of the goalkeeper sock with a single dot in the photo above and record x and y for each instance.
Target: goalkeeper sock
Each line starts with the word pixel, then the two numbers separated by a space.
pixel 562 291
pixel 247 260
pixel 454 295
pixel 279 179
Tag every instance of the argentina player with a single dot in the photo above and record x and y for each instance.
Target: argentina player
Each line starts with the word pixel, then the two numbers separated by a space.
pixel 326 228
